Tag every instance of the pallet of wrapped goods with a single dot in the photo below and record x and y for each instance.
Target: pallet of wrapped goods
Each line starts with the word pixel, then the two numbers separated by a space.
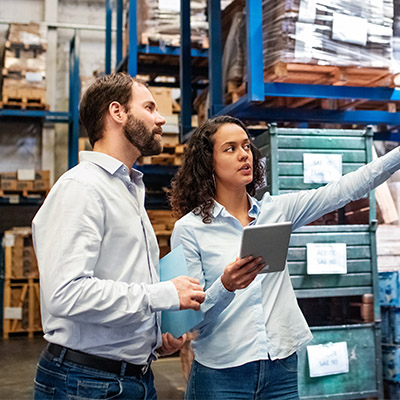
pixel 24 69
pixel 23 93
pixel 26 183
pixel 21 285
pixel 27 36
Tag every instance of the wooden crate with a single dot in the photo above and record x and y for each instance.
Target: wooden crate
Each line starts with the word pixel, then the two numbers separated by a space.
pixel 21 285
pixel 20 259
pixel 21 313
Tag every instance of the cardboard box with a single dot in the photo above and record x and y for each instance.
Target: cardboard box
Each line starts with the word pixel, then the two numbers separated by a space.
pixel 163 98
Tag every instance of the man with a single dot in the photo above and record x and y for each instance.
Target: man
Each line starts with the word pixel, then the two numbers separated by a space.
pixel 98 257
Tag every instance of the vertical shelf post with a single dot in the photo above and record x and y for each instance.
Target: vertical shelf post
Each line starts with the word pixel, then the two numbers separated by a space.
pixel 185 71
pixel 74 95
pixel 133 39
pixel 108 36
pixel 215 57
pixel 254 45
pixel 120 7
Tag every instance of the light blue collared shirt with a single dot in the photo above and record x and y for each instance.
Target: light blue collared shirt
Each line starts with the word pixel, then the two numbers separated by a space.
pixel 264 319
pixel 98 262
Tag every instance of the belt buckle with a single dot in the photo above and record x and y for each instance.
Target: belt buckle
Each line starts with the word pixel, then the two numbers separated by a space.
pixel 145 368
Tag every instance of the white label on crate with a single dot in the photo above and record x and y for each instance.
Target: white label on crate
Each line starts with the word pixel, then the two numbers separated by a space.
pixel 8 240
pixel 12 312
pixel 26 174
pixel 322 168
pixel 33 76
pixel 328 359
pixel 350 29
pixel 326 258
pixel 307 11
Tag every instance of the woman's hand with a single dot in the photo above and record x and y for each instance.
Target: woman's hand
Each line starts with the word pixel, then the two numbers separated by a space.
pixel 241 272
pixel 171 345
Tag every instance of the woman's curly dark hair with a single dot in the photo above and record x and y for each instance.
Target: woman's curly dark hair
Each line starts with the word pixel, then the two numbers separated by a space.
pixel 193 186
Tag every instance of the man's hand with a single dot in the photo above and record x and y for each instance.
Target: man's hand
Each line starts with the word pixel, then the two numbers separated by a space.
pixel 241 272
pixel 171 345
pixel 190 293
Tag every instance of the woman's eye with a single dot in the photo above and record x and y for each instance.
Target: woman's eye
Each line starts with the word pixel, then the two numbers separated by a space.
pixel 230 148
pixel 246 146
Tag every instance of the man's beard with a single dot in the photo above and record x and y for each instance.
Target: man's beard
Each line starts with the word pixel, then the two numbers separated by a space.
pixel 141 137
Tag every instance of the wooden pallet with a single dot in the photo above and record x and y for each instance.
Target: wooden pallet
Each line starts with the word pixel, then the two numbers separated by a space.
pixel 329 75
pixel 324 75
pixel 24 193
pixel 171 155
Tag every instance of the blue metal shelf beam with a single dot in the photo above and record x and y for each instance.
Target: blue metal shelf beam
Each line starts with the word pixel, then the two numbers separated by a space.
pixel 48 116
pixel 278 89
pixel 169 51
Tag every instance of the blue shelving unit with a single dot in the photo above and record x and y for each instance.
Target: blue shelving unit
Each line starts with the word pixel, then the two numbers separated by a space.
pixel 248 107
pixel 71 117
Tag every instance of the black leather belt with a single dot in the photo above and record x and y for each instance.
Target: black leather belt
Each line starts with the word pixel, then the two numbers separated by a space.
pixel 100 363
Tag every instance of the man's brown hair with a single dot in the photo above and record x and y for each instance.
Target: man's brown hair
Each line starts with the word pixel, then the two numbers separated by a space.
pixel 97 98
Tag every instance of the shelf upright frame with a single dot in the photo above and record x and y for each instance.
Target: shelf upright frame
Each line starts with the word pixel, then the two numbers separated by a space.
pixel 74 95
pixel 185 71
pixel 109 9
pixel 133 40
pixel 215 57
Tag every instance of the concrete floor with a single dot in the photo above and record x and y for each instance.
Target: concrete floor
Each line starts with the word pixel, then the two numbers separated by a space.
pixel 19 355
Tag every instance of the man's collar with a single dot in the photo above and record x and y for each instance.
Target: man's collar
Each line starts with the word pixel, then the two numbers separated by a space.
pixel 103 160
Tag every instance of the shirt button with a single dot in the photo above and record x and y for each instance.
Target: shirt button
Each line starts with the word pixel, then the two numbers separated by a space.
pixel 125 169
pixel 130 187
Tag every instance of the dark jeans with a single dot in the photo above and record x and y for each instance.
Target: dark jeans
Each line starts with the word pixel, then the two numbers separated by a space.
pixel 264 379
pixel 58 379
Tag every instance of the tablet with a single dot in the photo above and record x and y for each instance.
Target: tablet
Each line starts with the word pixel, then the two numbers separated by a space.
pixel 271 242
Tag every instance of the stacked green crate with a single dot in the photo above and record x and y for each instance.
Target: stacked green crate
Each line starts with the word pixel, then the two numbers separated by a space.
pixel 284 149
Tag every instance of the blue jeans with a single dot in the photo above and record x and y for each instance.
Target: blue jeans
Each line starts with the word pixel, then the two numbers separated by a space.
pixel 58 379
pixel 263 379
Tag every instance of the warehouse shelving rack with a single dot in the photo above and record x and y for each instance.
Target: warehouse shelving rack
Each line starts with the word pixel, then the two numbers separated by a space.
pixel 248 107
pixel 71 117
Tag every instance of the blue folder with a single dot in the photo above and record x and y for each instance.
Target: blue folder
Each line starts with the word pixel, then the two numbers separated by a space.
pixel 176 322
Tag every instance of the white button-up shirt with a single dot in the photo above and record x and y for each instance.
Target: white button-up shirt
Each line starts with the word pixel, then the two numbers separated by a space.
pixel 264 319
pixel 98 263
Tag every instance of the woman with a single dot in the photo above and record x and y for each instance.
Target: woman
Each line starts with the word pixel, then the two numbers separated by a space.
pixel 252 326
